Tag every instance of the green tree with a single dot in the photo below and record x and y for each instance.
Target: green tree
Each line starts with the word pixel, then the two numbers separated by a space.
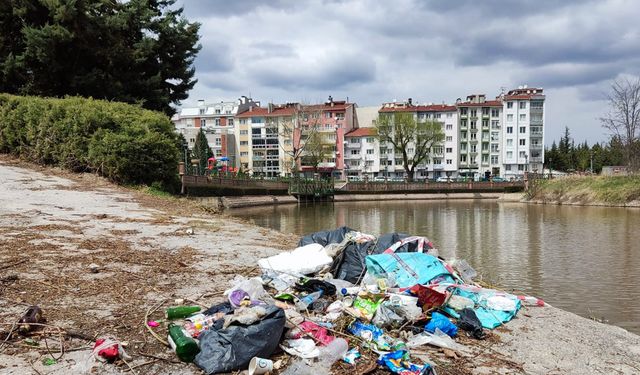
pixel 412 139
pixel 202 152
pixel 623 118
pixel 136 51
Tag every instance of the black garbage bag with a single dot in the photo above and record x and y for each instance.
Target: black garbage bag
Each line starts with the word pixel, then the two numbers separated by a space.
pixel 349 264
pixel 325 237
pixel 232 348
pixel 224 307
pixel 388 239
pixel 315 285
pixel 468 321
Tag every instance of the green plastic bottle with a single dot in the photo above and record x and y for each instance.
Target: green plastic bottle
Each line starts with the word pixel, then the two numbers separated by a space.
pixel 184 345
pixel 181 312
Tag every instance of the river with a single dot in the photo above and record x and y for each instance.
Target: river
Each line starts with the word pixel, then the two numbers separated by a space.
pixel 582 259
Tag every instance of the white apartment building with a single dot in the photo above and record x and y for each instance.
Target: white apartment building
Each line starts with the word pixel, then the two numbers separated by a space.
pixel 443 158
pixel 479 128
pixel 523 131
pixel 217 121
pixel 362 157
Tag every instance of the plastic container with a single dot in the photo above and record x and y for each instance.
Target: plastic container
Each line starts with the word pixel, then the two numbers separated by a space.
pixel 198 323
pixel 303 303
pixel 181 312
pixel 182 344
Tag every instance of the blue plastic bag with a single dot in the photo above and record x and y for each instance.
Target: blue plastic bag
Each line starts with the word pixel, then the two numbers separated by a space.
pixel 397 364
pixel 441 322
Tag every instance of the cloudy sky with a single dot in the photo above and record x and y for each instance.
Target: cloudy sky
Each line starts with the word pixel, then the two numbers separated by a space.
pixel 432 51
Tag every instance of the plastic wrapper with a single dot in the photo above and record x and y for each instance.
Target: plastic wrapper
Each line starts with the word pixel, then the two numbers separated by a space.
pixel 396 363
pixel 441 322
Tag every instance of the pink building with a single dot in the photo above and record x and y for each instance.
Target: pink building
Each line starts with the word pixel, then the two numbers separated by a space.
pixel 332 119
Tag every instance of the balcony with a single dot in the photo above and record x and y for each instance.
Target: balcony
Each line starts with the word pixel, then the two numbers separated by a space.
pixel 464 116
pixel 352 145
pixel 475 141
pixel 535 147
pixel 438 167
pixel 258 158
pixel 474 130
pixel 326 165
pixel 535 160
pixel 536 134
pixel 485 151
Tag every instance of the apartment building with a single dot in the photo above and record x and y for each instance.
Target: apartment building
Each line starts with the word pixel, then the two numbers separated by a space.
pixel 479 125
pixel 362 153
pixel 263 148
pixel 523 131
pixel 443 159
pixel 332 120
pixel 217 121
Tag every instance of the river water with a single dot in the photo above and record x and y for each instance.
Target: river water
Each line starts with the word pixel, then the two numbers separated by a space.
pixel 582 259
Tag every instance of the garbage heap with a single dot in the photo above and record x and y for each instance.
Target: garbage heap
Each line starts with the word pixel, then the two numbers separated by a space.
pixel 341 296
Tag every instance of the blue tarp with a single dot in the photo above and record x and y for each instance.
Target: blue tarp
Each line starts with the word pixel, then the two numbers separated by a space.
pixel 409 268
pixel 489 318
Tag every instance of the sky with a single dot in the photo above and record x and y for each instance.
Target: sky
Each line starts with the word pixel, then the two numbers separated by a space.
pixel 372 51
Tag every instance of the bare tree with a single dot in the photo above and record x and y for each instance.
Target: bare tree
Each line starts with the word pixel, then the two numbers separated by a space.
pixel 623 118
pixel 403 131
pixel 292 134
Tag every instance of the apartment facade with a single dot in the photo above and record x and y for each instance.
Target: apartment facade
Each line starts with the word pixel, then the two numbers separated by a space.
pixel 362 153
pixel 523 131
pixel 443 159
pixel 332 120
pixel 479 125
pixel 216 120
pixel 262 148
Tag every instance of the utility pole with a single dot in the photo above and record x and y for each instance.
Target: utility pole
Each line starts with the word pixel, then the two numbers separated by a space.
pixel 591 155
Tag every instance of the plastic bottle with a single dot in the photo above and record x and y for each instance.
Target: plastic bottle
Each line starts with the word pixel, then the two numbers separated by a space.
pixel 333 352
pixel 351 291
pixel 181 312
pixel 182 344
pixel 303 303
pixel 198 323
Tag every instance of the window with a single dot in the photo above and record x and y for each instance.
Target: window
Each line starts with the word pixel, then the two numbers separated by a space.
pixel 522 154
pixel 369 139
pixel 485 158
pixel 244 132
pixel 463 111
pixel 523 105
pixel 355 140
pixel 494 147
pixel 230 122
pixel 523 142
pixel 495 124
pixel 474 136
pixel 523 129
pixel 437 115
pixel 536 104
pixel 509 118
pixel 201 111
pixel 494 159
pixel 463 158
pixel 339 116
pixel 494 136
pixel 449 138
pixel 217 111
pixel 244 143
pixel 509 142
pixel 523 117
pixel 463 147
pixel 218 142
pixel 449 161
pixel 473 125
pixel 410 151
pixel 218 153
pixel 203 122
pixel 509 129
pixel 474 148
pixel 244 153
pixel 449 150
pixel 464 135
pixel 521 167
pixel 509 154
pixel 449 115
pixel 509 104
pixel 507 167
pixel 370 151
pixel 449 127
pixel 474 113
pixel 227 112
pixel 495 112
pixel 327 115
pixel 243 121
pixel 485 111
pixel 355 152
pixel 485 123
pixel 383 151
pixel 217 122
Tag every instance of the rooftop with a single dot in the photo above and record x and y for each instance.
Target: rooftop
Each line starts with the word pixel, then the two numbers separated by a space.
pixel 362 132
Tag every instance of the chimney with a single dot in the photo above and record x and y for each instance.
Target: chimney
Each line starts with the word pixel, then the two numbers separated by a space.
pixel 269 107
pixel 410 101
pixel 250 108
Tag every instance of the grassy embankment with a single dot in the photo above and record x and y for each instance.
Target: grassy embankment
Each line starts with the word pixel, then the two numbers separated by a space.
pixel 596 190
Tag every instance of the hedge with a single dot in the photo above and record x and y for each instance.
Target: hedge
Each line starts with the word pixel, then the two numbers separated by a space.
pixel 122 142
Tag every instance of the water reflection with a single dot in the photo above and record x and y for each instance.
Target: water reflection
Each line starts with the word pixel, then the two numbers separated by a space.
pixel 583 259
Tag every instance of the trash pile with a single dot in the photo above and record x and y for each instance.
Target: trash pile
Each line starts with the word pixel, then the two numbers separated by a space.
pixel 341 296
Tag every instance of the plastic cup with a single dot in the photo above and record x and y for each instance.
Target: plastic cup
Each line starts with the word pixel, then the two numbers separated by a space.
pixel 260 366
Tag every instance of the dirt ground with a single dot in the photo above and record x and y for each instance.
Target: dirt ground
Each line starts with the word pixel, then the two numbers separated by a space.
pixel 56 226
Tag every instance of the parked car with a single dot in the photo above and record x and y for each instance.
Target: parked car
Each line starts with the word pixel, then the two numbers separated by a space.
pixel 443 179
pixel 379 179
pixel 498 179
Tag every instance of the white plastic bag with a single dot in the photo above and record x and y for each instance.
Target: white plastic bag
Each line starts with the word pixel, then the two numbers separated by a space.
pixel 301 261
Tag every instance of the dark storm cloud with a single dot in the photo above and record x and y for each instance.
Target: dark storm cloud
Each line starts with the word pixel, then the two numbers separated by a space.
pixel 214 59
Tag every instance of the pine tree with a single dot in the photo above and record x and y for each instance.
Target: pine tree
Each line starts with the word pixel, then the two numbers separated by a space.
pixel 136 51
pixel 202 152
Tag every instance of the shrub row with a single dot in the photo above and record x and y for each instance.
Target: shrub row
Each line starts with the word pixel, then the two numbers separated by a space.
pixel 122 142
